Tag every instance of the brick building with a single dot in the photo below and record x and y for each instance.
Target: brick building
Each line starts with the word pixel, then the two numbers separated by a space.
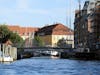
pixel 51 34
pixel 94 28
pixel 87 25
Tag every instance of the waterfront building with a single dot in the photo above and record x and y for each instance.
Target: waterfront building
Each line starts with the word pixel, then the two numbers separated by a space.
pixel 87 25
pixel 24 32
pixel 51 34
pixel 7 51
pixel 80 27
pixel 94 28
pixel 27 33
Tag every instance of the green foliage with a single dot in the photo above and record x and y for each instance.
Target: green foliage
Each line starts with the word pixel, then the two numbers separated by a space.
pixel 4 33
pixel 62 43
pixel 4 30
pixel 38 42
pixel 14 37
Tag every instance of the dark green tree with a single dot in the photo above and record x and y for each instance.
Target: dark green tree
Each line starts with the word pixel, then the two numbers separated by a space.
pixel 16 39
pixel 38 42
pixel 6 34
pixel 4 30
pixel 62 43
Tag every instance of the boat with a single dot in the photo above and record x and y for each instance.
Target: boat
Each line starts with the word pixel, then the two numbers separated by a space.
pixel 54 53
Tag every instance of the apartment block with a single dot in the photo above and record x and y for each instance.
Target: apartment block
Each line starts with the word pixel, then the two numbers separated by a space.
pixel 87 26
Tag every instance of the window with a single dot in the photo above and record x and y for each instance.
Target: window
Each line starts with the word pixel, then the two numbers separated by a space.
pixel 23 33
pixel 91 3
pixel 28 33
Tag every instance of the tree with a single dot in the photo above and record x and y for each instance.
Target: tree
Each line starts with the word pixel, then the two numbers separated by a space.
pixel 4 30
pixel 16 39
pixel 6 34
pixel 38 42
pixel 62 43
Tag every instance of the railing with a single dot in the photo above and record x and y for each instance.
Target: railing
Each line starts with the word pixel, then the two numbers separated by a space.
pixel 30 49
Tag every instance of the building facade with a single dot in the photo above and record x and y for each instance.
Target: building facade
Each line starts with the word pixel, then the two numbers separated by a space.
pixel 51 34
pixel 87 25
pixel 94 28
pixel 81 27
pixel 27 33
pixel 24 32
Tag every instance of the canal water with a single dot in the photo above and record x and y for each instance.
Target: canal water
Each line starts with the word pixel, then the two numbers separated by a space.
pixel 48 66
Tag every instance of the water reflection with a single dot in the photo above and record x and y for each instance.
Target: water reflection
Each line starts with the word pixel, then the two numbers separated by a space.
pixel 5 62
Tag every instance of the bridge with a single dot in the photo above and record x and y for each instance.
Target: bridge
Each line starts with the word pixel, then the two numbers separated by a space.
pixel 32 49
pixel 43 50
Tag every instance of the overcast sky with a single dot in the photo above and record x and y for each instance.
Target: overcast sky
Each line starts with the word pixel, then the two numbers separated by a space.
pixel 37 13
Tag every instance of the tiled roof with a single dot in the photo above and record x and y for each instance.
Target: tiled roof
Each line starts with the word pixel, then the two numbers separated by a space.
pixel 55 29
pixel 22 30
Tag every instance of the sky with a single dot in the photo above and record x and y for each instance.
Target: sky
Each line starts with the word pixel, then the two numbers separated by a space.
pixel 38 13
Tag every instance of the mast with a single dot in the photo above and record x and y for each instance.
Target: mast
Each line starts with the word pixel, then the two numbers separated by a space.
pixel 70 36
pixel 70 18
pixel 79 4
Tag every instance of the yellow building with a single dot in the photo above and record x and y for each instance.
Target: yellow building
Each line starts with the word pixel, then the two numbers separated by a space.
pixel 53 33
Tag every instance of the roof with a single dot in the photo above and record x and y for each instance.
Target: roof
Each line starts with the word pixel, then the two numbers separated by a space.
pixel 55 29
pixel 21 30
